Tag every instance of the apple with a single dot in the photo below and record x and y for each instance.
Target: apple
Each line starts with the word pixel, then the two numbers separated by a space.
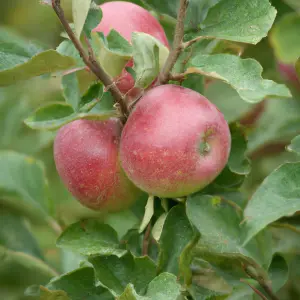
pixel 86 158
pixel 126 18
pixel 175 142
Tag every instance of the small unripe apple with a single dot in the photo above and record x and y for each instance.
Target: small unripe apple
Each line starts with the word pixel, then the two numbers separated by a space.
pixel 126 18
pixel 86 158
pixel 175 142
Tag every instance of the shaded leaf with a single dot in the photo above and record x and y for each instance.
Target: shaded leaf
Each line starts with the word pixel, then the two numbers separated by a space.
pixel 15 236
pixel 238 162
pixel 244 75
pixel 221 232
pixel 278 272
pixel 93 18
pixel 46 294
pixel 285 38
pixel 23 185
pixel 71 90
pixel 91 237
pixel 177 233
pixel 227 100
pixel 149 56
pixel 53 116
pixel 116 273
pixel 277 196
pixel 162 287
pixel 80 9
pixel 80 284
pixel 240 21
pixel 22 269
pixel 91 97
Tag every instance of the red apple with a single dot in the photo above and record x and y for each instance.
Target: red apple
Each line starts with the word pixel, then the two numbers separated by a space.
pixel 86 158
pixel 175 142
pixel 126 17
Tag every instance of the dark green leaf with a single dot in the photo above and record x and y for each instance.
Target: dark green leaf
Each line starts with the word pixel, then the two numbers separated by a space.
pixel 244 75
pixel 285 38
pixel 80 284
pixel 278 196
pixel 177 233
pixel 238 162
pixel 240 21
pixel 91 98
pixel 162 287
pixel 295 145
pixel 80 10
pixel 15 235
pixel 23 184
pixel 53 116
pixel 71 90
pixel 115 273
pixel 91 238
pixel 227 100
pixel 149 56
pixel 113 52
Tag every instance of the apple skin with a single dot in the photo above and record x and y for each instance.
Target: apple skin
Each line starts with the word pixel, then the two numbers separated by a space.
pixel 126 17
pixel 289 74
pixel 161 147
pixel 86 158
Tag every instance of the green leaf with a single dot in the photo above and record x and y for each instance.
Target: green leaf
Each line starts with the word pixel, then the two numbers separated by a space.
pixel 295 145
pixel 15 235
pixel 80 284
pixel 294 4
pixel 149 56
pixel 71 90
pixel 176 235
pixel 158 226
pixel 219 225
pixel 45 62
pixel 227 100
pixel 91 237
pixel 238 162
pixel 240 21
pixel 194 82
pixel 149 212
pixel 297 66
pixel 244 75
pixel 23 269
pixel 80 9
pixel 67 48
pixel 23 184
pixel 115 273
pixel 113 52
pixel 284 38
pixel 162 287
pixel 278 196
pixel 54 115
pixel 91 97
pixel 274 126
pixel 93 19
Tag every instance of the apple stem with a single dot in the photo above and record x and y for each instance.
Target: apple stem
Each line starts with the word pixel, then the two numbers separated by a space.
pixel 92 63
pixel 164 76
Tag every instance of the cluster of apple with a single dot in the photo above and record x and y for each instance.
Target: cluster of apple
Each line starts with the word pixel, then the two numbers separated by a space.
pixel 173 144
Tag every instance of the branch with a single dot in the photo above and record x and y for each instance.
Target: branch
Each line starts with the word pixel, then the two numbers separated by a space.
pixel 146 240
pixel 177 44
pixel 91 62
pixel 255 290
pixel 192 42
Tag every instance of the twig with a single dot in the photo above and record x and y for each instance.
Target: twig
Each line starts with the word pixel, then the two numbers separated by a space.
pixel 146 240
pixel 265 284
pixel 54 225
pixel 177 44
pixel 91 62
pixel 192 42
pixel 259 293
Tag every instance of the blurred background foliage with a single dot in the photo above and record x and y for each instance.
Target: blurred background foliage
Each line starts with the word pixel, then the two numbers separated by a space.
pixel 270 127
